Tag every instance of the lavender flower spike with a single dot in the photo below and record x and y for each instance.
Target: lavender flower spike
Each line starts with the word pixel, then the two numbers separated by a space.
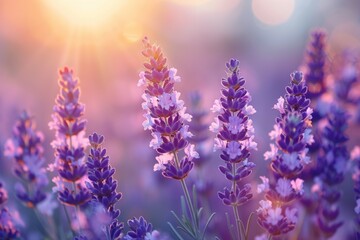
pixel 355 157
pixel 25 148
pixel 166 118
pixel 165 115
pixel 69 143
pixel 333 160
pixel 102 184
pixel 291 134
pixel 7 228
pixel 234 137
pixel 315 65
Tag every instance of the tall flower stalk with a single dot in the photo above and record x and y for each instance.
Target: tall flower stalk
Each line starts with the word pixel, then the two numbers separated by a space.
pixel 235 139
pixel 333 160
pixel 315 65
pixel 7 228
pixel 103 186
pixel 69 143
pixel 355 157
pixel 199 128
pixel 166 119
pixel 288 155
pixel 25 148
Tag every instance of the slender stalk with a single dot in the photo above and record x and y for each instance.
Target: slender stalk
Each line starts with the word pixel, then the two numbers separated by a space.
pixel 77 209
pixel 43 224
pixel 238 231
pixel 193 214
pixel 69 221
pixel 248 226
pixel 235 209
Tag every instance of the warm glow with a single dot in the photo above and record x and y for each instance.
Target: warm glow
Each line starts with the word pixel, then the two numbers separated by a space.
pixel 132 31
pixel 190 2
pixel 84 14
pixel 273 12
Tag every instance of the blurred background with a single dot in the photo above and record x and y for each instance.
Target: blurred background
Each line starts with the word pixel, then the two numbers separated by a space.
pixel 101 41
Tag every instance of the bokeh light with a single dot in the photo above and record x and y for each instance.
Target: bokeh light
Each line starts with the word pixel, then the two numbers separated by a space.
pixel 273 12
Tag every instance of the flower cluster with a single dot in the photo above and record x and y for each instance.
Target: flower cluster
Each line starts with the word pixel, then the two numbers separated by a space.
pixel 292 133
pixel 165 115
pixel 7 228
pixel 140 229
pixel 102 184
pixel 199 128
pixel 25 148
pixel 355 157
pixel 333 160
pixel 234 135
pixel 315 65
pixel 70 142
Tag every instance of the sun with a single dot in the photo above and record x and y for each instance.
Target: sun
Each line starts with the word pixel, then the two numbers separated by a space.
pixel 84 14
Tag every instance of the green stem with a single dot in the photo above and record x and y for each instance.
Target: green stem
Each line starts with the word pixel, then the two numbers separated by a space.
pixel 43 224
pixel 191 208
pixel 69 221
pixel 248 226
pixel 238 222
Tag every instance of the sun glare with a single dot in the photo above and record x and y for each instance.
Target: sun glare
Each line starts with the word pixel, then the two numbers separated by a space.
pixel 273 12
pixel 84 14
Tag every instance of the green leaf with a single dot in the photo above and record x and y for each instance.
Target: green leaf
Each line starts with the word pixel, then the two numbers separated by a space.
pixel 230 227
pixel 175 232
pixel 207 224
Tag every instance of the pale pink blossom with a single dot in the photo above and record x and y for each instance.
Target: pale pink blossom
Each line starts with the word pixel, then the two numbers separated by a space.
pixel 283 187
pixel 291 214
pixel 291 160
pixel 190 151
pixel 274 216
pixel 142 80
pixel 275 133
pixel 162 159
pixel 216 108
pixel 264 205
pixel 280 105
pixel 215 126
pixel 156 141
pixel 269 155
pixel 297 185
pixel 264 186
pixel 172 75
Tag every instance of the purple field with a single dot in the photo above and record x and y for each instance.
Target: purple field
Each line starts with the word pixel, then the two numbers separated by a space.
pixel 180 119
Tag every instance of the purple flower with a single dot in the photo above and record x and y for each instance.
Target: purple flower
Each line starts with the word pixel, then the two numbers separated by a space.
pixel 346 78
pixel 7 227
pixel 292 134
pixel 234 138
pixel 25 148
pixel 333 160
pixel 199 127
pixel 165 115
pixel 69 143
pixel 140 229
pixel 102 184
pixel 355 157
pixel 315 65
pixel 234 135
